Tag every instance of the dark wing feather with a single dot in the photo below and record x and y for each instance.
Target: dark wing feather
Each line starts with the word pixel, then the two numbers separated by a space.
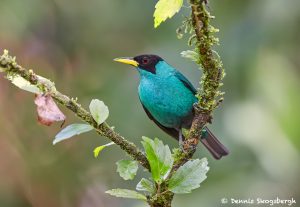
pixel 170 131
pixel 186 82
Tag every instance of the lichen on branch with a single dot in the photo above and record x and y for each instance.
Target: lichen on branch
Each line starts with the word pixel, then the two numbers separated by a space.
pixel 209 61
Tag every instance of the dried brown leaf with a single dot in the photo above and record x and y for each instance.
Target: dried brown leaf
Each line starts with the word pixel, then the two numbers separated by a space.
pixel 48 111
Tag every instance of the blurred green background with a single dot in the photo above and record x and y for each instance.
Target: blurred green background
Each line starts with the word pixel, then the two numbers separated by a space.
pixel 73 43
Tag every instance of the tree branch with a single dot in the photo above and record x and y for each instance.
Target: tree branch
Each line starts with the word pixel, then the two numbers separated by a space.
pixel 11 68
pixel 211 79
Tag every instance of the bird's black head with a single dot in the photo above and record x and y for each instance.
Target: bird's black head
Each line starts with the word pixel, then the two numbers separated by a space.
pixel 144 62
pixel 147 62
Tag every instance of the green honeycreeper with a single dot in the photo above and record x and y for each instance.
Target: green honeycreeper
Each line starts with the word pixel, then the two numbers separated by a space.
pixel 168 98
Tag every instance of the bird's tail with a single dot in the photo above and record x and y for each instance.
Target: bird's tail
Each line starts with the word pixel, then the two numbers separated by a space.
pixel 214 146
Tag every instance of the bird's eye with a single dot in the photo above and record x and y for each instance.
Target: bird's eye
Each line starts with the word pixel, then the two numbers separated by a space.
pixel 145 61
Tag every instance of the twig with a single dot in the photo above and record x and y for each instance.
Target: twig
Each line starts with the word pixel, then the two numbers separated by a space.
pixel 211 79
pixel 9 66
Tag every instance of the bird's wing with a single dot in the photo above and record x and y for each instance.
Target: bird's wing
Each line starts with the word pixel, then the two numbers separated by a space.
pixel 186 82
pixel 170 131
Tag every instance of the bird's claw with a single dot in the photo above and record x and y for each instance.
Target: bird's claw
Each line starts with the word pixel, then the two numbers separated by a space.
pixel 181 144
pixel 196 107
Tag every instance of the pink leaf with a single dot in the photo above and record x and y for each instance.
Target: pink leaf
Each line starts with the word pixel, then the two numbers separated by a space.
pixel 48 111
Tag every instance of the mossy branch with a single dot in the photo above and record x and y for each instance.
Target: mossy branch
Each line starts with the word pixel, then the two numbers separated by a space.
pixel 211 80
pixel 9 65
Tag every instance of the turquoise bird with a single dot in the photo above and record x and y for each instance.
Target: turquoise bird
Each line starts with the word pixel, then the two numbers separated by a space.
pixel 168 98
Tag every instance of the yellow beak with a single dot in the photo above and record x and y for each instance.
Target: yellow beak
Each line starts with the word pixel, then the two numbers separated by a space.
pixel 128 61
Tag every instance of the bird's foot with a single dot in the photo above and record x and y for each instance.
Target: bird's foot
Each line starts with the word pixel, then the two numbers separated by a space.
pixel 181 145
pixel 180 140
pixel 197 108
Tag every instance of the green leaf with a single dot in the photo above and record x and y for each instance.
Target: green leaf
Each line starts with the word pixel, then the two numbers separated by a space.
pixel 99 111
pixel 97 150
pixel 124 193
pixel 189 176
pixel 72 130
pixel 166 9
pixel 189 54
pixel 159 157
pixel 145 185
pixel 127 169
pixel 23 84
